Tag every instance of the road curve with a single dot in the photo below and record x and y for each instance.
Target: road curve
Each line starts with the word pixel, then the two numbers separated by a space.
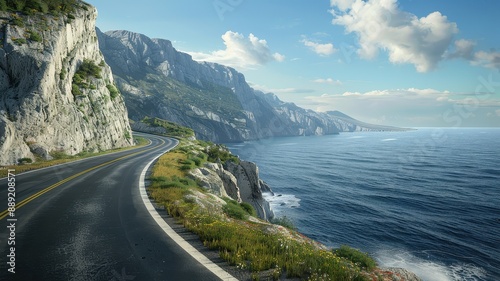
pixel 86 220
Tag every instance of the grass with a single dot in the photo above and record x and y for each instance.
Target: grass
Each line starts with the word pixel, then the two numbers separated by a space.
pixel 248 245
pixel 173 129
pixel 285 222
pixel 235 210
pixel 60 158
pixel 356 256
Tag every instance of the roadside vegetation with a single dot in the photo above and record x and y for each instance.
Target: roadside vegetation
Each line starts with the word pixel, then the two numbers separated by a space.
pixel 262 250
pixel 26 164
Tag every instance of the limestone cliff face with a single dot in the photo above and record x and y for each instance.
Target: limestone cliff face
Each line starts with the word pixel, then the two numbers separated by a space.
pixel 240 182
pixel 39 114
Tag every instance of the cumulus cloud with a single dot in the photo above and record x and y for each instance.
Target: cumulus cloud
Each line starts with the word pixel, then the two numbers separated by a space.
pixel 382 25
pixel 241 52
pixel 328 81
pixel 320 49
pixel 463 49
pixel 487 59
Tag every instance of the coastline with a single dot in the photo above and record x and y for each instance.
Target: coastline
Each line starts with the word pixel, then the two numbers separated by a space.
pixel 215 178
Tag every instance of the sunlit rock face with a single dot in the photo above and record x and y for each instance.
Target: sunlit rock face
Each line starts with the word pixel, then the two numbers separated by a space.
pixel 39 113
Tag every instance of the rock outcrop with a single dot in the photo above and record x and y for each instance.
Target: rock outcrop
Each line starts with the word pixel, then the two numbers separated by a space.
pixel 239 182
pixel 39 114
pixel 212 99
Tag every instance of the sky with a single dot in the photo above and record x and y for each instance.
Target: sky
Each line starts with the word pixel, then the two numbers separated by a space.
pixel 409 63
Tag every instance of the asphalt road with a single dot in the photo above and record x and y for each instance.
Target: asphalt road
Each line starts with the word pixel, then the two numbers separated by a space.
pixel 91 227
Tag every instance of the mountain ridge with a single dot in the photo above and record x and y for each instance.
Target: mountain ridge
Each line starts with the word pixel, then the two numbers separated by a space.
pixel 140 64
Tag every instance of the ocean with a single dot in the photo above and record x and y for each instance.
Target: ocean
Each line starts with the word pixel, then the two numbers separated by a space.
pixel 426 200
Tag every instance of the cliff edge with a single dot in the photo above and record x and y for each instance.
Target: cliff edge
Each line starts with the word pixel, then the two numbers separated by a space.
pixel 56 92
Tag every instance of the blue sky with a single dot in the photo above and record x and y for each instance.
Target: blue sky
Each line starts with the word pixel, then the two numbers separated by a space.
pixel 404 63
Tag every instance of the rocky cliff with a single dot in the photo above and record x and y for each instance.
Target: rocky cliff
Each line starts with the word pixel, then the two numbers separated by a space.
pixel 239 182
pixel 212 99
pixel 43 108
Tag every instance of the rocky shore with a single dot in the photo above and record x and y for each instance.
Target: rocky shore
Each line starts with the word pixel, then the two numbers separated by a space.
pixel 240 182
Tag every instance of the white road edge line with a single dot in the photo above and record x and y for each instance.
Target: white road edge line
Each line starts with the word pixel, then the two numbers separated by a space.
pixel 215 269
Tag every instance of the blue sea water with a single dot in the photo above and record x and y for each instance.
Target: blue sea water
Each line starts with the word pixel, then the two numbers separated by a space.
pixel 425 200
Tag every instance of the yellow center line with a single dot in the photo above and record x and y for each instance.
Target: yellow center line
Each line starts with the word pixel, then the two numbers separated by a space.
pixel 41 192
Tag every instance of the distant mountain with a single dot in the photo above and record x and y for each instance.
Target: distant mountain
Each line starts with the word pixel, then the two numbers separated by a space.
pixel 212 99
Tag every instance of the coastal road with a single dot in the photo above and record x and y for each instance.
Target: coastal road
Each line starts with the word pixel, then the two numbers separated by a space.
pixel 86 221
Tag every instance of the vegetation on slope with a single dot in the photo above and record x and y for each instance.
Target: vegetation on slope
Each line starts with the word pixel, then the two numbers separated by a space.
pixel 211 98
pixel 41 6
pixel 254 246
pixel 173 130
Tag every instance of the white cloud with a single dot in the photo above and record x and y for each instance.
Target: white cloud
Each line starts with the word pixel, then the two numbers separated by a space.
pixel 342 4
pixel 382 25
pixel 266 89
pixel 320 49
pixel 402 93
pixel 241 52
pixel 410 107
pixel 328 81
pixel 463 49
pixel 487 59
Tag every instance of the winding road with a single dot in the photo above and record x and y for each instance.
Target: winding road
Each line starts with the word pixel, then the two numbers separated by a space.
pixel 86 220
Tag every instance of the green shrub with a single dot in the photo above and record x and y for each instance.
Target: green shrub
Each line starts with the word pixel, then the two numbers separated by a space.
pixel 63 73
pixel 221 153
pixel 89 68
pixel 234 210
pixel 187 165
pixel 113 91
pixel 59 155
pixel 75 90
pixel 77 78
pixel 248 208
pixel 34 36
pixel 25 161
pixel 19 41
pixel 197 161
pixel 17 21
pixel 284 221
pixel 3 5
pixel 356 256
pixel 173 182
